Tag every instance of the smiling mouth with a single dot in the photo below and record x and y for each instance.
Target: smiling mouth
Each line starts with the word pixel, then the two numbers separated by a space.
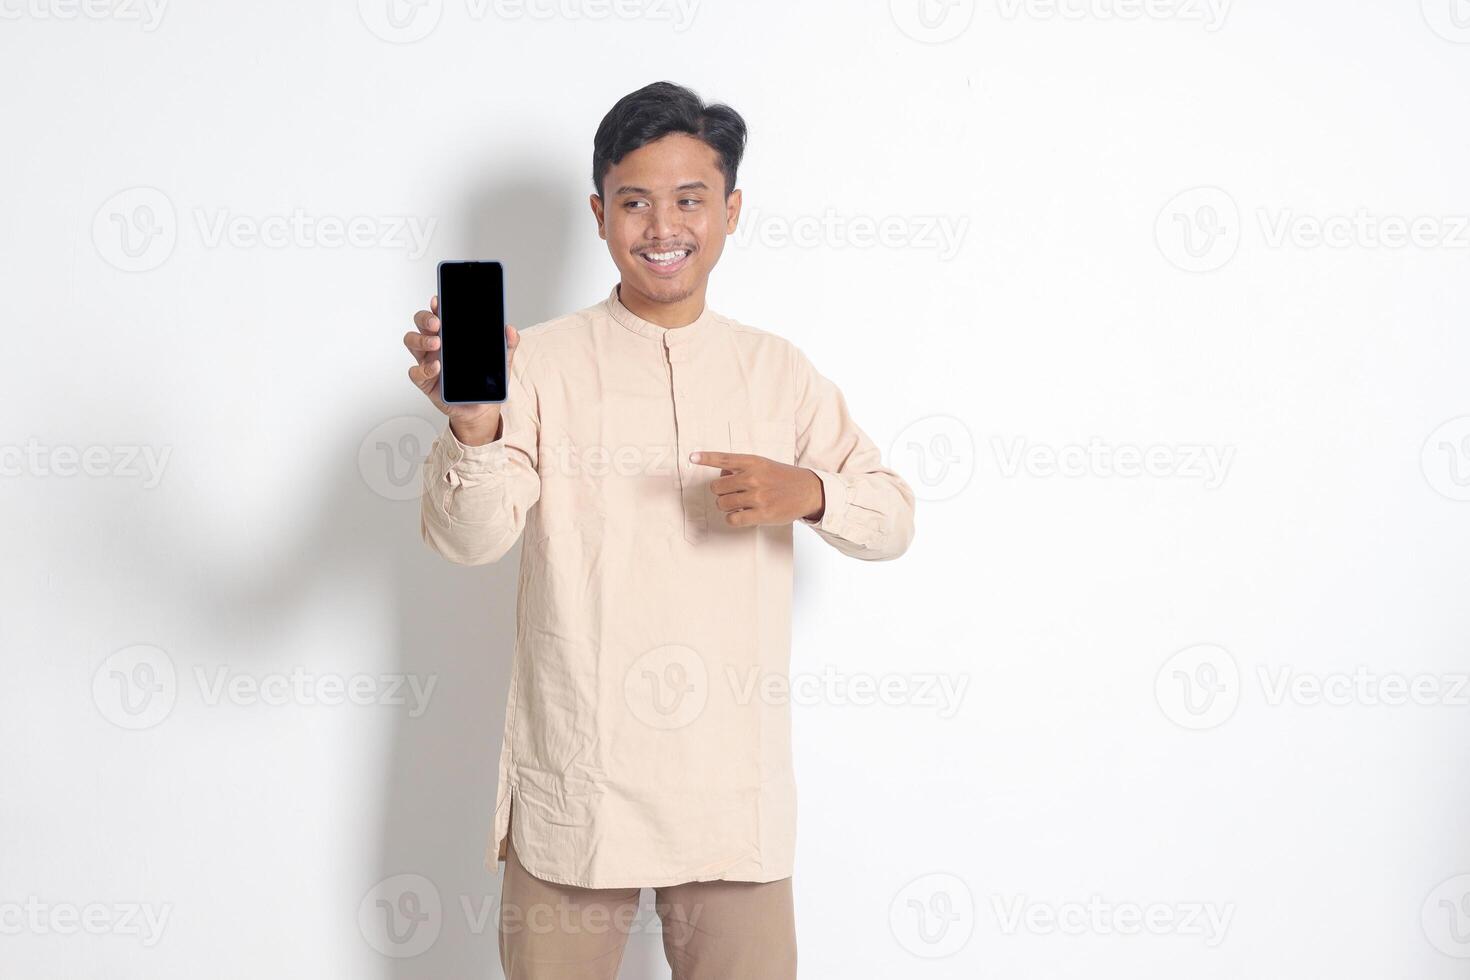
pixel 666 261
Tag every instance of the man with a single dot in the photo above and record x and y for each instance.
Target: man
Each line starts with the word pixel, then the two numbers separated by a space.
pixel 656 455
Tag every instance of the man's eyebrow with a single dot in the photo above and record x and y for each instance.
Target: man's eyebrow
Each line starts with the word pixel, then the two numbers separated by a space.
pixel 693 185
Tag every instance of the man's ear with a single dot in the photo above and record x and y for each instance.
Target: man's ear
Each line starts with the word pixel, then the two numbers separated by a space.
pixel 596 202
pixel 732 211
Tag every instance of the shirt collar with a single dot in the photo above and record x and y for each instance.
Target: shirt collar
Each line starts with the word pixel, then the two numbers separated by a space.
pixel 669 335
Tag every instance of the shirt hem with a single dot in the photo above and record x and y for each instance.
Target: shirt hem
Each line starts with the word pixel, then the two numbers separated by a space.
pixel 645 882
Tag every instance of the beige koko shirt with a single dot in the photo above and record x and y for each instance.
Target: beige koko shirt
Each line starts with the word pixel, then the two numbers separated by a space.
pixel 643 744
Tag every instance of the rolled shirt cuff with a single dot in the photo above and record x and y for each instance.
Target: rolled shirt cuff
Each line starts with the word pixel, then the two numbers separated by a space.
pixel 836 495
pixel 486 459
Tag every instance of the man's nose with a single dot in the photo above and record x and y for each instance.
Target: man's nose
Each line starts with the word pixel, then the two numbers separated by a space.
pixel 666 222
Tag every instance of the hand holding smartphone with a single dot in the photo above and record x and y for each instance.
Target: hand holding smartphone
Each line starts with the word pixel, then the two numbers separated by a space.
pixel 464 349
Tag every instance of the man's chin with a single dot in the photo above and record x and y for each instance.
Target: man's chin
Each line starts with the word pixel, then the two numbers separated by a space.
pixel 672 290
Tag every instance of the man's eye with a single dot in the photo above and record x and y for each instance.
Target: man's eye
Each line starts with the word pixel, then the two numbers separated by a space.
pixel 635 204
pixel 692 202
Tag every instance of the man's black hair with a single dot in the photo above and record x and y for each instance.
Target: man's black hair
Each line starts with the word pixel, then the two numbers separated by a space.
pixel 655 111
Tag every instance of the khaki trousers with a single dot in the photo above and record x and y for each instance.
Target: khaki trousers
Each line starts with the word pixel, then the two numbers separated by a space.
pixel 712 930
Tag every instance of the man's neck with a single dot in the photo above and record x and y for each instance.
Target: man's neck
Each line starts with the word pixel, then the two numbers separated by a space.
pixel 670 315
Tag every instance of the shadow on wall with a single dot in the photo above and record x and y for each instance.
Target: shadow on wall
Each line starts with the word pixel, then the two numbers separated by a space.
pixel 446 624
pixel 361 537
pixel 459 624
pixel 359 542
pixel 449 624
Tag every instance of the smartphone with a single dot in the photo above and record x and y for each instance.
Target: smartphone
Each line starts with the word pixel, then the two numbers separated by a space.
pixel 472 333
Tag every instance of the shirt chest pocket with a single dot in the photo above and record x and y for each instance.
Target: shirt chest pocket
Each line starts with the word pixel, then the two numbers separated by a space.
pixel 772 438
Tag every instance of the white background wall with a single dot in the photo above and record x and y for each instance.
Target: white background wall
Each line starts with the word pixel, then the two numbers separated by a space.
pixel 1130 191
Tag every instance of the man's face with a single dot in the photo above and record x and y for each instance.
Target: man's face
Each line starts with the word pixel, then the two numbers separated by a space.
pixel 665 217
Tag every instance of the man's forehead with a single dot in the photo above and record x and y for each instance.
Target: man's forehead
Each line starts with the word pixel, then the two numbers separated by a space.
pixel 664 164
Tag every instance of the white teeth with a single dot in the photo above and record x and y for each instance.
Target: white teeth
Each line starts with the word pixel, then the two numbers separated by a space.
pixel 666 256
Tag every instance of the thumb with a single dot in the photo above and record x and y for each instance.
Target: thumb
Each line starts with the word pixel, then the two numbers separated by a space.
pixel 512 341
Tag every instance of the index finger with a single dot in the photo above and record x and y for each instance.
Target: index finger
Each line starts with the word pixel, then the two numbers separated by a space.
pixel 725 461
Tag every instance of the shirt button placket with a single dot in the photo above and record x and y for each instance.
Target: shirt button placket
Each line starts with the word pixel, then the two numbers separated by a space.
pixel 696 524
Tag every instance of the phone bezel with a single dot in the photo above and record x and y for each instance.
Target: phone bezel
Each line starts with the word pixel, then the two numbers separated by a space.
pixel 444 348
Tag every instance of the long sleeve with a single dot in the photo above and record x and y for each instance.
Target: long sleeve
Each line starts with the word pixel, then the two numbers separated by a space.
pixel 869 511
pixel 475 498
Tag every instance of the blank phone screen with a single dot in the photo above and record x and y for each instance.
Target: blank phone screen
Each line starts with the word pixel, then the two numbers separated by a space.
pixel 472 331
